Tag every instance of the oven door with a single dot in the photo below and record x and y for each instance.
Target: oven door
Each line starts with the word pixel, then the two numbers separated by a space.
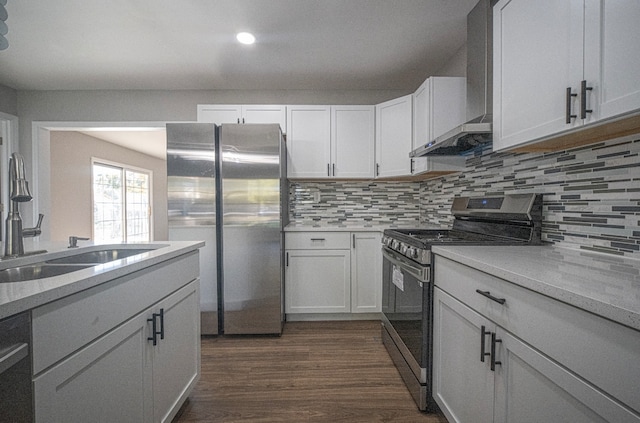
pixel 405 307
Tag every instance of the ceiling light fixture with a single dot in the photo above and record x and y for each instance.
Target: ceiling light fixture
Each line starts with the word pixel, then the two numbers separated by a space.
pixel 245 38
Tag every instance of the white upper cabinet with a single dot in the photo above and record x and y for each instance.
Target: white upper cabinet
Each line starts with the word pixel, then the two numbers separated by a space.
pixel 612 57
pixel 308 141
pixel 537 55
pixel 439 105
pixel 562 64
pixel 394 134
pixel 236 113
pixel 330 142
pixel 352 141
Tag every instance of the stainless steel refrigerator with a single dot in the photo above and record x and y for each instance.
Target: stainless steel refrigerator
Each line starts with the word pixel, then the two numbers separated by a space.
pixel 227 185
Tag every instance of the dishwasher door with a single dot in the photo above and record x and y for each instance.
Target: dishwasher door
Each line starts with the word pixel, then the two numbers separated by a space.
pixel 16 393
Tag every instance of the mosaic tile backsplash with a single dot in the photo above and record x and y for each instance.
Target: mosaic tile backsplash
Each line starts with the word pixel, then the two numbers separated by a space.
pixel 354 203
pixel 591 195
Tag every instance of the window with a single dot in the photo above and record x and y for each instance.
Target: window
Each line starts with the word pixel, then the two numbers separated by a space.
pixel 121 203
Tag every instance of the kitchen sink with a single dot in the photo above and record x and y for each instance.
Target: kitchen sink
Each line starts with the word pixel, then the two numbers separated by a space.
pixel 100 256
pixel 38 271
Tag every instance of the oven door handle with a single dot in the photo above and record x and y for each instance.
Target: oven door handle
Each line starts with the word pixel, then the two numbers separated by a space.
pixel 419 272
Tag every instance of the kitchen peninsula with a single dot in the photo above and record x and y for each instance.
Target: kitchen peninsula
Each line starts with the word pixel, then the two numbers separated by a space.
pixel 116 341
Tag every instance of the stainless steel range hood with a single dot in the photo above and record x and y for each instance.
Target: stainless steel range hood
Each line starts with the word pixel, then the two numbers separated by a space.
pixel 477 130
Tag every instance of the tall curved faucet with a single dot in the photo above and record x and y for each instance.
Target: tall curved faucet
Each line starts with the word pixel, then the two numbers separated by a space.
pixel 14 244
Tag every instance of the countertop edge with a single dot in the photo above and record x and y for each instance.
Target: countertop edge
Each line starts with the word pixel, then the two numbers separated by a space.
pixel 509 273
pixel 25 297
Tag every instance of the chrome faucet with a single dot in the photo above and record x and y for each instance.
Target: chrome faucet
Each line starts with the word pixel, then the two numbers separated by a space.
pixel 14 233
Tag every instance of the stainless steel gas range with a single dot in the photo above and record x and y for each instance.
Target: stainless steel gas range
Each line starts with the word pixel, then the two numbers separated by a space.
pixel 407 296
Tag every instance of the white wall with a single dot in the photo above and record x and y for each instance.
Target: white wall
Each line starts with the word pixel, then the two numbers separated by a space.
pixel 457 65
pixel 37 107
pixel 71 205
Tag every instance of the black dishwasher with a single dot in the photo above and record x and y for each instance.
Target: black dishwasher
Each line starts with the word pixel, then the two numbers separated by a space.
pixel 16 393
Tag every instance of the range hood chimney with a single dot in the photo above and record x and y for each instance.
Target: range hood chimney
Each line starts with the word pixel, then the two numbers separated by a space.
pixel 477 130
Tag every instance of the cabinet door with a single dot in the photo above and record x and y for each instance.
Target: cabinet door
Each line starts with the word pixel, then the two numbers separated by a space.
pixel 366 272
pixel 421 113
pixel 463 385
pixel 394 134
pixel 439 105
pixel 265 114
pixel 526 379
pixel 612 57
pixel 176 358
pixel 352 141
pixel 308 141
pixel 219 113
pixel 538 53
pixel 107 381
pixel 318 281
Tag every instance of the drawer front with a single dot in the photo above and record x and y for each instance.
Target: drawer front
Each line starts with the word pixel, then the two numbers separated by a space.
pixel 318 240
pixel 603 352
pixel 63 326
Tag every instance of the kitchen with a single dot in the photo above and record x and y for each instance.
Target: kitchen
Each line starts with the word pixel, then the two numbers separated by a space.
pixel 589 200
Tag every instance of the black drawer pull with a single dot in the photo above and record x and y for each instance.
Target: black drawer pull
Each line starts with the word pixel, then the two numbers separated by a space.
pixel 491 297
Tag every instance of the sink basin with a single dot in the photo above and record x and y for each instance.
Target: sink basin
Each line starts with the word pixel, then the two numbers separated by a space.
pixel 37 271
pixel 100 256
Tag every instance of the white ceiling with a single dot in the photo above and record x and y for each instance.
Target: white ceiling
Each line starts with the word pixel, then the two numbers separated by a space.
pixel 190 44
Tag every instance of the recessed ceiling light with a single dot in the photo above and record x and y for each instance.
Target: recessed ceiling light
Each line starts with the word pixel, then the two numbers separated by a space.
pixel 245 38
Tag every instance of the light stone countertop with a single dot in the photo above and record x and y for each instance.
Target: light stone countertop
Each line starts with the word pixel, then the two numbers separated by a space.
pixel 16 297
pixel 603 284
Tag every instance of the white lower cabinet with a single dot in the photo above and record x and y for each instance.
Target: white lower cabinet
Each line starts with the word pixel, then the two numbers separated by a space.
pixel 366 272
pixel 333 272
pixel 484 372
pixel 128 372
pixel 463 385
pixel 318 281
pixel 88 386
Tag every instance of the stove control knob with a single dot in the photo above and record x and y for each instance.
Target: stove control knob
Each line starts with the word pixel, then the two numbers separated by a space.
pixel 412 252
pixel 395 244
pixel 404 248
pixel 385 240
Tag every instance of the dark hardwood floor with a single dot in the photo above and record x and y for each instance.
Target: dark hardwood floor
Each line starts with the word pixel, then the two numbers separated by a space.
pixel 314 372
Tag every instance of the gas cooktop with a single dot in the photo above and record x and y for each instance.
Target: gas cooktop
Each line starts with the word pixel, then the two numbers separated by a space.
pixel 510 220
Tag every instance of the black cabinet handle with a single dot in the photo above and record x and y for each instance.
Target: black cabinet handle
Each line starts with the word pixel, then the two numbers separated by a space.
pixel 353 241
pixel 583 99
pixel 334 169
pixel 483 333
pixel 494 362
pixel 238 120
pixel 568 115
pixel 328 169
pixel 154 327
pixel 491 297
pixel 377 169
pixel 161 315
pixel 287 259
pixel 154 330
